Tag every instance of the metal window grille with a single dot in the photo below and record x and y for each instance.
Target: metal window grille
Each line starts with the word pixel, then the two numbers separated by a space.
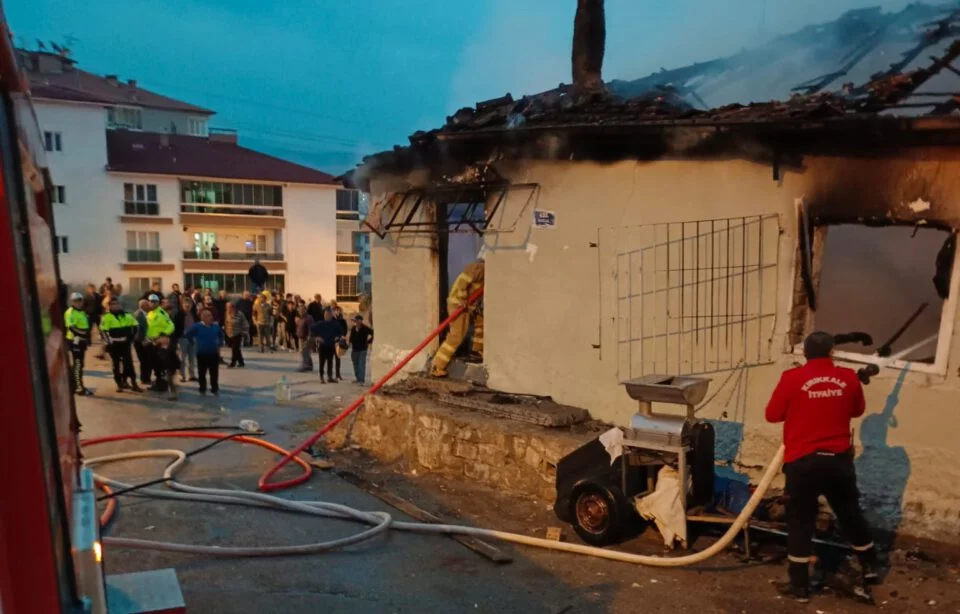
pixel 697 297
pixel 469 208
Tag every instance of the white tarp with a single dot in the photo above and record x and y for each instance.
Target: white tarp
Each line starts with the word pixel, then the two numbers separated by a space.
pixel 665 507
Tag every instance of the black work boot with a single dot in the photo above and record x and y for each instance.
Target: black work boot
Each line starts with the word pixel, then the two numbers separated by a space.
pixel 869 566
pixel 799 586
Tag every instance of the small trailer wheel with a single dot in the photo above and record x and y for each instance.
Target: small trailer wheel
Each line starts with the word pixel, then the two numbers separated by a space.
pixel 597 514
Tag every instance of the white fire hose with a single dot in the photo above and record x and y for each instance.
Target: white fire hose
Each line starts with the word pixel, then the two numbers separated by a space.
pixel 380 521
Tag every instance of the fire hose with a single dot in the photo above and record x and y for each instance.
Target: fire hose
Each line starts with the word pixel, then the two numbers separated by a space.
pixel 379 522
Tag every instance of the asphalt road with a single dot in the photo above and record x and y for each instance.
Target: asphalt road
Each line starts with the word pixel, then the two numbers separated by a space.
pixel 395 573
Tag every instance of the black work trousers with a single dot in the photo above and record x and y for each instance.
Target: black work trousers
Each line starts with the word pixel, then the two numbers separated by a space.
pixel 142 358
pixel 327 354
pixel 122 363
pixel 209 363
pixel 834 477
pixel 78 350
pixel 236 353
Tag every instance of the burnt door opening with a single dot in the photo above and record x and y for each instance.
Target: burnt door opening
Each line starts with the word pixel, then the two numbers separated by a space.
pixel 455 248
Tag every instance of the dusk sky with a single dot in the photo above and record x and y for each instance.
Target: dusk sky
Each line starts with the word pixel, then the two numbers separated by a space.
pixel 324 82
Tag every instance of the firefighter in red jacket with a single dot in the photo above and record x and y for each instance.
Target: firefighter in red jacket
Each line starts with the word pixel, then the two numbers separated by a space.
pixel 816 403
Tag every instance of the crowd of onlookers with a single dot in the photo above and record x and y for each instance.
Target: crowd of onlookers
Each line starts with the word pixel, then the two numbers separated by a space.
pixel 179 334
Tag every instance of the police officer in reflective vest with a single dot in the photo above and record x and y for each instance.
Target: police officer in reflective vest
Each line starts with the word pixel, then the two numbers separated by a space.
pixel 816 403
pixel 468 282
pixel 78 338
pixel 159 324
pixel 119 328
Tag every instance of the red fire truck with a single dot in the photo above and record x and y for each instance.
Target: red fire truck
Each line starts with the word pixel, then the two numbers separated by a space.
pixel 49 548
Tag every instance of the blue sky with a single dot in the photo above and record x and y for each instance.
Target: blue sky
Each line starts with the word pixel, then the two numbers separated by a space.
pixel 324 82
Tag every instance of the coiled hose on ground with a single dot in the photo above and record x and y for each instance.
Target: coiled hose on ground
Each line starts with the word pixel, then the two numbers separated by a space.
pixel 380 522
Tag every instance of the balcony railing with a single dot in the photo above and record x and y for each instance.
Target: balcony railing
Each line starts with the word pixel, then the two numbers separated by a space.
pixel 345 257
pixel 232 256
pixel 136 207
pixel 144 255
pixel 231 209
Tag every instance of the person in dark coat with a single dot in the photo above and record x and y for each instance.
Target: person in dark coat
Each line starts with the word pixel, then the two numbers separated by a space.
pixel 220 303
pixel 315 308
pixel 93 307
pixel 337 313
pixel 328 333
pixel 245 306
pixel 258 276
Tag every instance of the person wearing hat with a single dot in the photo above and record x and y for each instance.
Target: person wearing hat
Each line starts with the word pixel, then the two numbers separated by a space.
pixel 77 324
pixel 159 325
pixel 361 336
pixel 815 403
pixel 120 329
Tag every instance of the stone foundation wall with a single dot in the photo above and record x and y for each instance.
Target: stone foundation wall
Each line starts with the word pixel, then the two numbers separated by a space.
pixel 422 435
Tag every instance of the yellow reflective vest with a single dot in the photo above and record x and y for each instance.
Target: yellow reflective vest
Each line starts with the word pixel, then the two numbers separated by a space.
pixel 119 327
pixel 158 323
pixel 76 323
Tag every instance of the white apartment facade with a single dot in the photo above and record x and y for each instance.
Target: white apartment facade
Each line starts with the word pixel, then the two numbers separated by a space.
pixel 145 192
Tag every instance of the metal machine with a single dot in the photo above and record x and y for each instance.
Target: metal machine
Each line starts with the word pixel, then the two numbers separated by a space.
pixel 597 483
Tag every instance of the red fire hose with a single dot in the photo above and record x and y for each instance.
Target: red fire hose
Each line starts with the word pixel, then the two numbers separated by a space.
pixel 265 485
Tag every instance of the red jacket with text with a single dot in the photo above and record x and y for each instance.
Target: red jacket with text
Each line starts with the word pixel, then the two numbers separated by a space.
pixel 816 403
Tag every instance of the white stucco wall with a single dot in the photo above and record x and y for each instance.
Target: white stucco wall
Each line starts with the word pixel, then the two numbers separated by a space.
pixel 79 167
pixel 310 239
pixel 551 298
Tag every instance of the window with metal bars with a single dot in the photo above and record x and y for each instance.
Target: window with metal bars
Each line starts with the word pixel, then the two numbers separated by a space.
pixel 697 297
pixel 346 288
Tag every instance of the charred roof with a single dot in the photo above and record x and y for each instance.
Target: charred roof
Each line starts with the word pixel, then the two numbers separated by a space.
pixel 840 84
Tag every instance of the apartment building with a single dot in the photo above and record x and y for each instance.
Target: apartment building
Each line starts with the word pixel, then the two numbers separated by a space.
pixel 146 191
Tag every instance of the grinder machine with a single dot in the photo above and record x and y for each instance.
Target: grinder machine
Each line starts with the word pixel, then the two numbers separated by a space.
pixel 598 483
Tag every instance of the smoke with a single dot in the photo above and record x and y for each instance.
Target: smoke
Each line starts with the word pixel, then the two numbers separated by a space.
pixel 526 49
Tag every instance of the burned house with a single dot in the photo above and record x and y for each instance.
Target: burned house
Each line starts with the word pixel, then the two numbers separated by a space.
pixel 638 229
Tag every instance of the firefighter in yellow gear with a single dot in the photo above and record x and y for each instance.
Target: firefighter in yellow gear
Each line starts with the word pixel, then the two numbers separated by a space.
pixel 469 281
pixel 78 338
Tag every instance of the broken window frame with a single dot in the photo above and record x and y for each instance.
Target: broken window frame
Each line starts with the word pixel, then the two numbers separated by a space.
pixel 948 316
pixel 488 198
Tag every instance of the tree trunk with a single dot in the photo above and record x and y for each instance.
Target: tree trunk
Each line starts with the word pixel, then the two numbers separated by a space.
pixel 589 37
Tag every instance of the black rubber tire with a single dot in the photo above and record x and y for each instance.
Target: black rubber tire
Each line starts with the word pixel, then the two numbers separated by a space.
pixel 597 514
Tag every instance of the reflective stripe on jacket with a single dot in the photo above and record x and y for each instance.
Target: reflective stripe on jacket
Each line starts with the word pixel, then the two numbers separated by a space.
pixel 119 327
